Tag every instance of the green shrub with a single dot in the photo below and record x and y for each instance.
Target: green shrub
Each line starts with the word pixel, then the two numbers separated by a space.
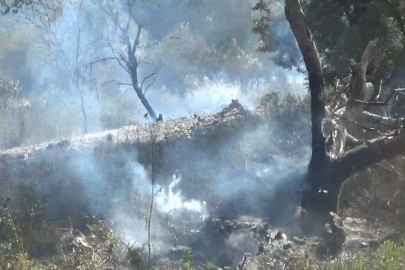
pixel 389 256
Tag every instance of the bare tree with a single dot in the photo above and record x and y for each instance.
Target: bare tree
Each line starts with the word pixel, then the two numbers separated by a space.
pixel 128 58
pixel 327 171
pixel 71 64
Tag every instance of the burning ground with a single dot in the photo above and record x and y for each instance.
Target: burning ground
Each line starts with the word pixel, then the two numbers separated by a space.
pixel 209 167
pixel 224 185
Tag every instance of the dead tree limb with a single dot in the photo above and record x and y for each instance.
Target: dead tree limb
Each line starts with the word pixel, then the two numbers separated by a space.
pixel 378 119
pixel 360 89
pixel 374 151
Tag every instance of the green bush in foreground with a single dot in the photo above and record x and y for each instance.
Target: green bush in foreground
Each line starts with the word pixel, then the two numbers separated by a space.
pixel 388 257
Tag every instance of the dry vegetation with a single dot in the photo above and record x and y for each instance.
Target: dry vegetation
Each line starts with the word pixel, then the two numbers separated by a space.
pixel 30 240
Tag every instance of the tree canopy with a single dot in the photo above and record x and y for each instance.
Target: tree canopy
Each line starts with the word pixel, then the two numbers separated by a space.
pixel 341 30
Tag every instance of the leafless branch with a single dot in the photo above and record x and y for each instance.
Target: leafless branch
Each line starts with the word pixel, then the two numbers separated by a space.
pixel 136 41
pixel 126 91
pixel 339 107
pixel 119 62
pixel 352 139
pixel 390 95
pixel 379 90
pixel 114 52
pixel 124 30
pixel 154 75
pixel 96 88
pixel 122 57
pixel 359 85
pixel 364 127
pixel 149 85
pixel 377 103
pixel 46 14
pixel 382 119
pixel 351 142
pixel 130 84
pixel 156 42
pixel 128 24
pixel 103 59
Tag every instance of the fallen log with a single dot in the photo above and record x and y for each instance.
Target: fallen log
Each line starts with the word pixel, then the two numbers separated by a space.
pixel 108 159
pixel 166 132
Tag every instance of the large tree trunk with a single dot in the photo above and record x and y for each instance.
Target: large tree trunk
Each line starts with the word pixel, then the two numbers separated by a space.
pixel 326 175
pixel 316 205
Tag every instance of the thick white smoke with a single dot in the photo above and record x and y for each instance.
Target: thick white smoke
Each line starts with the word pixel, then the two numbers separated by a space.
pixel 206 54
pixel 205 51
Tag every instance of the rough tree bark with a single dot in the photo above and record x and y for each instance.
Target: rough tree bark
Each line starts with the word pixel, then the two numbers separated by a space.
pixel 326 175
pixel 317 203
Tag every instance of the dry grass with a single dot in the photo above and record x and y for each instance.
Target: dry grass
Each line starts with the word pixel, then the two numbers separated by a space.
pixel 30 242
pixel 389 256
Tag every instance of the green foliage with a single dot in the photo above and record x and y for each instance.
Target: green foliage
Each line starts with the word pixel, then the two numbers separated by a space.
pixel 387 257
pixel 290 103
pixel 14 239
pixel 271 27
pixel 188 260
pixel 209 266
pixel 41 8
pixel 261 26
pixel 26 234
pixel 341 30
pixel 14 6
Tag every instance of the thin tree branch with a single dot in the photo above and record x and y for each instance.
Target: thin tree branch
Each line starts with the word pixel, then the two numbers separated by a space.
pixel 377 103
pixel 359 84
pixel 156 42
pixel 128 24
pixel 113 51
pixel 153 74
pixel 352 139
pixel 103 59
pixel 339 107
pixel 390 95
pixel 364 127
pixel 382 119
pixel 136 40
